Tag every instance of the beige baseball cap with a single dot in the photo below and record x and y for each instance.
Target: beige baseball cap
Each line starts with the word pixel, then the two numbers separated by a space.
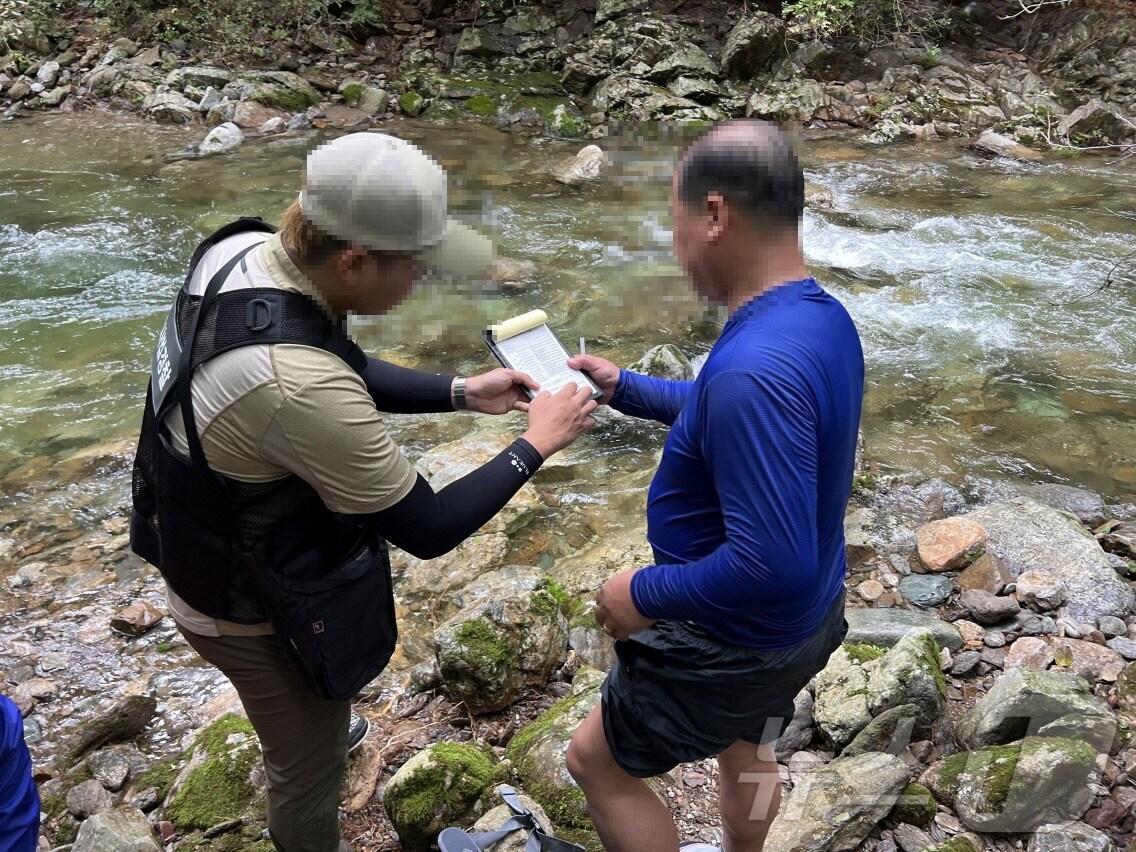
pixel 386 194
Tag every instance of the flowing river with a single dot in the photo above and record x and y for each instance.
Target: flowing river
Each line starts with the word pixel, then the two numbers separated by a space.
pixel 996 355
pixel 993 353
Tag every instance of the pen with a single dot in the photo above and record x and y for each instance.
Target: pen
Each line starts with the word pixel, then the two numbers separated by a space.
pixel 582 352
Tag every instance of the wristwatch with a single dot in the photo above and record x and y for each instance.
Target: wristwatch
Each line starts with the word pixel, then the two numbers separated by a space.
pixel 457 391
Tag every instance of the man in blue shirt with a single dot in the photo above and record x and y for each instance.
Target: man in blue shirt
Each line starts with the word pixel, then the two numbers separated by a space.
pixel 745 514
pixel 19 800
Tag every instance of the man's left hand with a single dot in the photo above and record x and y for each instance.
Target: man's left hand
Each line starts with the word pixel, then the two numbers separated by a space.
pixel 615 610
pixel 498 391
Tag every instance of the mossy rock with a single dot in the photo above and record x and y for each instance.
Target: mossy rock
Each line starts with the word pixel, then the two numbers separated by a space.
pixel 160 776
pixel 446 784
pixel 216 784
pixel 909 673
pixel 411 103
pixel 916 806
pixel 862 652
pixel 955 844
pixel 482 105
pixel 497 646
pixel 351 93
pixel 1016 787
pixel 538 753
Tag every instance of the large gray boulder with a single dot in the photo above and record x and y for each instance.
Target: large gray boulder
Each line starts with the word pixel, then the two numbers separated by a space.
pixel 199 76
pixel 909 673
pixel 123 830
pixel 221 139
pixel 1024 700
pixel 1028 536
pixel 1016 787
pixel 752 45
pixel 1096 122
pixel 1089 508
pixel 835 807
pixel 840 706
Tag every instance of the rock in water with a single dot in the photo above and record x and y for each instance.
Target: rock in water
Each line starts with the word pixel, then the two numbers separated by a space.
pixel 221 139
pixel 1089 508
pixel 588 165
pixel 138 618
pixel 666 361
pixel 1016 787
pixel 445 784
pixel 124 721
pixel 1028 536
pixel 121 830
pixel 1022 700
pixel 1002 146
pixel 836 806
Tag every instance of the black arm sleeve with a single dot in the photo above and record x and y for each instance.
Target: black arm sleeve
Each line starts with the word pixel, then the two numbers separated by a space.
pixel 427 524
pixel 400 390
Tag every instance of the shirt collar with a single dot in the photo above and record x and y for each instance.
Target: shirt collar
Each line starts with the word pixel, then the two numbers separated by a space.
pixel 283 270
pixel 767 298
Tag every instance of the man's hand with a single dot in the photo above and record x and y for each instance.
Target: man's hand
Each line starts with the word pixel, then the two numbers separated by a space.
pixel 615 611
pixel 499 391
pixel 604 373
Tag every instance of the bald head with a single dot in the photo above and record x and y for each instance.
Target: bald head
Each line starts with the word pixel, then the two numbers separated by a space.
pixel 750 164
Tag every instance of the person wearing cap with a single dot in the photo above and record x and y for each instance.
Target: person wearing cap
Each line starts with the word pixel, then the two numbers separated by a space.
pixel 370 220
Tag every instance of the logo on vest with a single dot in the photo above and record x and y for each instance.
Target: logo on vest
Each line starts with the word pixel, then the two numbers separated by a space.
pixel 163 358
pixel 317 627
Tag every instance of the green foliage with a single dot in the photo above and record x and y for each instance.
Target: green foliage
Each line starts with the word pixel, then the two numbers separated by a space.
pixel 871 21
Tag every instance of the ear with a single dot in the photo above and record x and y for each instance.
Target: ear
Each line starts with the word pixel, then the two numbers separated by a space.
pixel 349 261
pixel 717 216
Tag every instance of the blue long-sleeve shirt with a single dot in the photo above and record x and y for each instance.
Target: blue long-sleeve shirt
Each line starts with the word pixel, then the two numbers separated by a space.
pixel 745 514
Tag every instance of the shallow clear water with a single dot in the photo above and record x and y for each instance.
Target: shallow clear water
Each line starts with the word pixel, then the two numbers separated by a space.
pixel 989 355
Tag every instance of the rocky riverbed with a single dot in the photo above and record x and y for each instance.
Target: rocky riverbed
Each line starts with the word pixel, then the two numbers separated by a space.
pixel 985 697
pixel 582 68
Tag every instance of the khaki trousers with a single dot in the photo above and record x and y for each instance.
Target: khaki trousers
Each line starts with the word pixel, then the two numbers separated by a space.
pixel 303 737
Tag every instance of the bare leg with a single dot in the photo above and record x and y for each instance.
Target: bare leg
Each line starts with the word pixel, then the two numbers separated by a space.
pixel 627 815
pixel 749 793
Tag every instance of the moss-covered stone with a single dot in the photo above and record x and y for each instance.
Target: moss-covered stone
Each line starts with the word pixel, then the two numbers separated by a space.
pixel 482 105
pixel 916 806
pixel 351 93
pixel 1018 786
pixel 955 844
pixel 539 749
pixel 411 103
pixel 160 776
pixel 446 784
pixel 215 785
pixel 862 653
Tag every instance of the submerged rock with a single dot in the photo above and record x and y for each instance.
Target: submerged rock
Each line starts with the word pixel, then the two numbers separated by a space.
pixel 445 784
pixel 589 164
pixel 666 361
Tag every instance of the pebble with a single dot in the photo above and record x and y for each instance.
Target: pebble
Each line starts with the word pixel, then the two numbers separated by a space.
pixel 870 590
pixel 1111 626
pixel 994 639
pixel 138 618
pixel 964 662
pixel 1125 647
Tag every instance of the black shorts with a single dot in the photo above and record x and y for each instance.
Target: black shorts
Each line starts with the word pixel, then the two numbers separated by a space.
pixel 678 694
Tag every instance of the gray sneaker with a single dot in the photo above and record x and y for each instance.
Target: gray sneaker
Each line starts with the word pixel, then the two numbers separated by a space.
pixel 356 731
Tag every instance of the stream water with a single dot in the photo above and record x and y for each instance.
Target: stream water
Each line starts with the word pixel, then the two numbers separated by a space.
pixel 994 356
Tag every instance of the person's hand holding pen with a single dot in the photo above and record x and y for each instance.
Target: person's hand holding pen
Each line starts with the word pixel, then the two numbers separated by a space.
pixel 601 371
